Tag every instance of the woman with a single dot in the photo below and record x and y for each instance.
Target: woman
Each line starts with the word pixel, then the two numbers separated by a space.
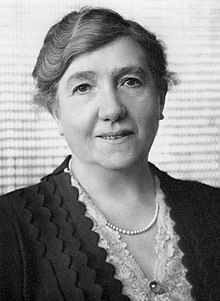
pixel 107 224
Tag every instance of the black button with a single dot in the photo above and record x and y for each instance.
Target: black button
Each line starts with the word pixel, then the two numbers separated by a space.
pixel 156 287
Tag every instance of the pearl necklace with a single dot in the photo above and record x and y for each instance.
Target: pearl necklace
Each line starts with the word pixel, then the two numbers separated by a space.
pixel 135 232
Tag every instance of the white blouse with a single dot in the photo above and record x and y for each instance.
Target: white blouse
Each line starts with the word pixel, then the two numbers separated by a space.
pixel 169 271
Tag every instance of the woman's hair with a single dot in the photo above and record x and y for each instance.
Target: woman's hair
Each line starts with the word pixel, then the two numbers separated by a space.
pixel 83 31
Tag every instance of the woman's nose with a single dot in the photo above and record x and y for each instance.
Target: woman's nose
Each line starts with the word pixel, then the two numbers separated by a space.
pixel 111 108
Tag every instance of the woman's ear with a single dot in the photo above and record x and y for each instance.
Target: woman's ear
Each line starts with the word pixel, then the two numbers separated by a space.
pixel 56 117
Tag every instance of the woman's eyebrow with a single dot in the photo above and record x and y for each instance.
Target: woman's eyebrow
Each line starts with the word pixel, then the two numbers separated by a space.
pixel 89 75
pixel 118 72
pixel 139 71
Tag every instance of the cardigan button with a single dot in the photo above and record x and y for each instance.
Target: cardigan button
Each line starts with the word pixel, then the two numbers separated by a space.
pixel 156 287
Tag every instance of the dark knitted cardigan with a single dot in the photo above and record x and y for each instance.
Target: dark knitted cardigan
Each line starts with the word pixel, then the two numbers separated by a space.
pixel 48 251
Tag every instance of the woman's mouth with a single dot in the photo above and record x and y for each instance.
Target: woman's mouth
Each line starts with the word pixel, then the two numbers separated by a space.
pixel 117 135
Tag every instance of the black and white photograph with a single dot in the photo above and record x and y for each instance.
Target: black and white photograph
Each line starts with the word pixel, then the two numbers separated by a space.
pixel 110 150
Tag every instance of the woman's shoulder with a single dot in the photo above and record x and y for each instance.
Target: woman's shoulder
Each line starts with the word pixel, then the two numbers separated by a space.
pixel 44 186
pixel 189 198
pixel 184 186
pixel 28 191
pixel 14 205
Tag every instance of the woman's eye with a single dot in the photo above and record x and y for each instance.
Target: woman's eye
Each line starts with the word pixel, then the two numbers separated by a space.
pixel 132 82
pixel 81 89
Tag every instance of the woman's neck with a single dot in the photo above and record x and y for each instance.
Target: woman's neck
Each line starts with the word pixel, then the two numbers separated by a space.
pixel 117 190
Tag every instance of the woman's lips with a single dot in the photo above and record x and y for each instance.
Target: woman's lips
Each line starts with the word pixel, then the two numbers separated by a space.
pixel 116 135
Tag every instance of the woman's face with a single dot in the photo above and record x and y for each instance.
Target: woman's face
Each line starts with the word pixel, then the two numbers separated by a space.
pixel 109 107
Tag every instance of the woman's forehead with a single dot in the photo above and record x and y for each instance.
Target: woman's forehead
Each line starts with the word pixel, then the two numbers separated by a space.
pixel 118 57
